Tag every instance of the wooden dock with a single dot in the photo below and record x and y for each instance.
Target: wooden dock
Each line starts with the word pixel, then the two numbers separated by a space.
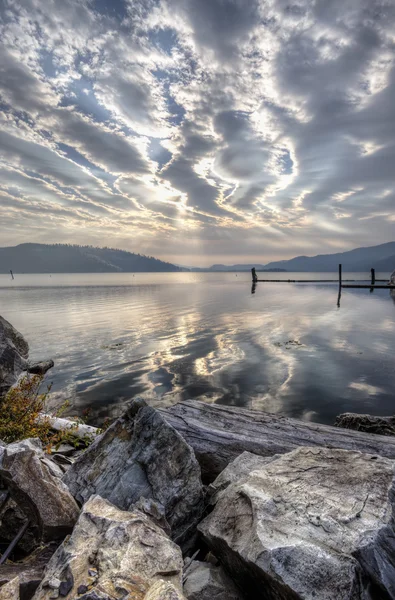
pixel 381 284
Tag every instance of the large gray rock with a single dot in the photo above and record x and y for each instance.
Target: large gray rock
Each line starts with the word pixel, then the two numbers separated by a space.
pixel 140 455
pixel 316 523
pixel 14 351
pixel 39 493
pixel 205 581
pixel 114 554
pixel 366 423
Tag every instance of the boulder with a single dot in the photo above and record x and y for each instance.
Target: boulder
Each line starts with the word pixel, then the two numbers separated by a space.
pixel 140 455
pixel 113 554
pixel 366 423
pixel 40 368
pixel 313 523
pixel 14 351
pixel 204 581
pixel 40 494
pixel 28 573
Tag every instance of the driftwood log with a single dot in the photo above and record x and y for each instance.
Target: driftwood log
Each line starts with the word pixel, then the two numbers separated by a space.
pixel 220 433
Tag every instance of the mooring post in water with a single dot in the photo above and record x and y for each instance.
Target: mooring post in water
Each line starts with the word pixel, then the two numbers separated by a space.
pixel 340 276
pixel 254 275
pixel 12 274
pixel 372 276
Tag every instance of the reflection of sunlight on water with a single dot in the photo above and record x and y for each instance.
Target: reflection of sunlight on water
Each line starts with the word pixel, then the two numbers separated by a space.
pixel 287 348
pixel 371 390
pixel 227 355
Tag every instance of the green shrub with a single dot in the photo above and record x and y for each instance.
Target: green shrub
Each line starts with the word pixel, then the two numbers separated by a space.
pixel 21 418
pixel 19 411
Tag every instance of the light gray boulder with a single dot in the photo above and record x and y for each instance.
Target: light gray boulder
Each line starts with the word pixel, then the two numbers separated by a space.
pixel 204 581
pixel 140 455
pixel 37 490
pixel 114 554
pixel 316 523
pixel 14 351
pixel 366 423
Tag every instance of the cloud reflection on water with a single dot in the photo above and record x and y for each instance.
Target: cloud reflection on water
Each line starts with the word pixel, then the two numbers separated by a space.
pixel 286 349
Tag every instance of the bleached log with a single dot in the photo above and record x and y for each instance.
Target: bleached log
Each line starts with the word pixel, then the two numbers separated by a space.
pixel 79 430
pixel 220 433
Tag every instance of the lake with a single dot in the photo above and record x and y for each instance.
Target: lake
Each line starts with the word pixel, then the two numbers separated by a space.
pixel 286 349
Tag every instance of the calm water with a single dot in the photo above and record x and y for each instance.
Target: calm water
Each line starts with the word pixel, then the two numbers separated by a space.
pixel 170 336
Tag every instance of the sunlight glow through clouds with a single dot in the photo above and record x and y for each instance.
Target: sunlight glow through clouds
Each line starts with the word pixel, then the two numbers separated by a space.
pixel 141 120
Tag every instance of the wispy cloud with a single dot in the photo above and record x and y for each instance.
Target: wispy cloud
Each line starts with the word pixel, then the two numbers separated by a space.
pixel 198 130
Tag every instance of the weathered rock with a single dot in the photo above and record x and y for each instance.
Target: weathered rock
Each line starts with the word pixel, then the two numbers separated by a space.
pixel 366 423
pixel 28 573
pixel 10 591
pixel 314 523
pixel 43 498
pixel 40 368
pixel 112 554
pixel 14 351
pixel 205 581
pixel 140 455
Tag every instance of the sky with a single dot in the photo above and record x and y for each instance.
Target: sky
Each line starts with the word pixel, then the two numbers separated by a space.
pixel 198 131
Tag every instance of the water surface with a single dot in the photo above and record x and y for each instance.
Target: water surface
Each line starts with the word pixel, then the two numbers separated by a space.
pixel 287 348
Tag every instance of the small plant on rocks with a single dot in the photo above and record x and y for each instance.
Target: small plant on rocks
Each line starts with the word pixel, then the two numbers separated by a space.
pixel 20 409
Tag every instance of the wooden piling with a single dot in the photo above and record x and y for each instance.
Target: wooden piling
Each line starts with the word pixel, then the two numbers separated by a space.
pixel 340 275
pixel 373 276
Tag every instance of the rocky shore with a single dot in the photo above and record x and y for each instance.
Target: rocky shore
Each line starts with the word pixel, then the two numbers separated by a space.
pixel 196 502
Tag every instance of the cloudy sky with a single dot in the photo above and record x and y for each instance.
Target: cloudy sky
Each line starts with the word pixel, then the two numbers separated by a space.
pixel 198 131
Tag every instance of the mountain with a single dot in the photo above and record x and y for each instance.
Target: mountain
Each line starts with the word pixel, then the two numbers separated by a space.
pixel 67 258
pixel 230 268
pixel 381 257
pixel 386 264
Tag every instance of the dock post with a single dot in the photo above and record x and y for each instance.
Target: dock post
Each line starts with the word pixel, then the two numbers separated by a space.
pixel 373 276
pixel 254 276
pixel 340 276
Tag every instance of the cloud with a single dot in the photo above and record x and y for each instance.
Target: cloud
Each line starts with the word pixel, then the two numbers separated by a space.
pixel 185 124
